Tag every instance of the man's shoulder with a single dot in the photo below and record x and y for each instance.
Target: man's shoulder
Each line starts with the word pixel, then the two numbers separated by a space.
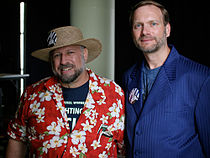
pixel 104 81
pixel 131 68
pixel 185 64
pixel 94 77
pixel 189 65
pixel 41 83
pixel 107 84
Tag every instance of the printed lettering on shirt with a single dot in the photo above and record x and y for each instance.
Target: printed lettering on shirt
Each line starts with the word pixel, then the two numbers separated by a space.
pixel 73 111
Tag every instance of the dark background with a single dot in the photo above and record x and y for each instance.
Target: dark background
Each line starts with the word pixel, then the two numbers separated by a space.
pixel 189 21
pixel 41 16
pixel 190 34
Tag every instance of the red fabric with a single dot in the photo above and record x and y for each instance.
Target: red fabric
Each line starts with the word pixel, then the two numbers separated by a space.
pixel 41 119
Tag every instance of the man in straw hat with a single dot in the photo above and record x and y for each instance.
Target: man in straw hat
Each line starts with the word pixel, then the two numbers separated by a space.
pixel 75 113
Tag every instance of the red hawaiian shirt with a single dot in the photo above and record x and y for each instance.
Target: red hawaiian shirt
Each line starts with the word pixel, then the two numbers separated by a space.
pixel 42 120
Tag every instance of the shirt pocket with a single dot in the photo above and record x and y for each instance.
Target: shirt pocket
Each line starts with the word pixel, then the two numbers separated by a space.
pixel 100 136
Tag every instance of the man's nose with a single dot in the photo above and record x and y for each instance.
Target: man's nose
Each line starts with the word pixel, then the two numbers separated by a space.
pixel 145 30
pixel 62 59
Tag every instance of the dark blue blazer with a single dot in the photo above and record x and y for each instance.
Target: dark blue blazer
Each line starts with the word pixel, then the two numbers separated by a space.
pixel 174 122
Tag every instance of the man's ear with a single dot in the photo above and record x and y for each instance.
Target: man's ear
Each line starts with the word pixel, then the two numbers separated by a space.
pixel 168 30
pixel 85 54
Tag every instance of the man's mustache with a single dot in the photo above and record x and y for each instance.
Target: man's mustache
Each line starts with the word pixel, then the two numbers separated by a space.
pixel 146 38
pixel 62 66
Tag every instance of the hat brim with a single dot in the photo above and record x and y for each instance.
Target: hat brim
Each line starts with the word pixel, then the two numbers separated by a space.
pixel 93 45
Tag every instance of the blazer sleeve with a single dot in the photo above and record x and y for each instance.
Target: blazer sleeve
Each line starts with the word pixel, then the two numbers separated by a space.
pixel 202 114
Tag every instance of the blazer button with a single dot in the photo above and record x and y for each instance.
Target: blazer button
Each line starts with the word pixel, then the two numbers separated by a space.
pixel 138 133
pixel 137 153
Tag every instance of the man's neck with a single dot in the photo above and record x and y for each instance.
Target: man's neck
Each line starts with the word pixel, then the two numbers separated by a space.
pixel 82 79
pixel 157 59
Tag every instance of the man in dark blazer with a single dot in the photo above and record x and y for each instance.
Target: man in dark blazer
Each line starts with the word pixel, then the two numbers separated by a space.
pixel 167 94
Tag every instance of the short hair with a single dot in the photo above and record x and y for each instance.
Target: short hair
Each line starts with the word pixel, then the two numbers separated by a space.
pixel 150 2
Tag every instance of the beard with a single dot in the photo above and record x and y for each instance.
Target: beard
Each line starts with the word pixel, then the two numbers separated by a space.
pixel 67 79
pixel 153 48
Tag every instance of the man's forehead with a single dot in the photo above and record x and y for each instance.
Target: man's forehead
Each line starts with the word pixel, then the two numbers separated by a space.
pixel 149 12
pixel 148 9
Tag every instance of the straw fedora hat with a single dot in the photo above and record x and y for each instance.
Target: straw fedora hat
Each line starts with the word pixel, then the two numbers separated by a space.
pixel 65 36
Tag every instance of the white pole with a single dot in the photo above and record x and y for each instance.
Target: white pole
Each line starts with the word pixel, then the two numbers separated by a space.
pixel 22 44
pixel 95 18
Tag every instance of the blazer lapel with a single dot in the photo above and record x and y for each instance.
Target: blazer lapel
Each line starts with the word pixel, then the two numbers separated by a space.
pixel 159 91
pixel 162 86
pixel 133 108
pixel 135 86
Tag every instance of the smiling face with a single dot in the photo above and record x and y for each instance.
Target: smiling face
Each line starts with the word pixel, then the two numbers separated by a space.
pixel 68 63
pixel 149 32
